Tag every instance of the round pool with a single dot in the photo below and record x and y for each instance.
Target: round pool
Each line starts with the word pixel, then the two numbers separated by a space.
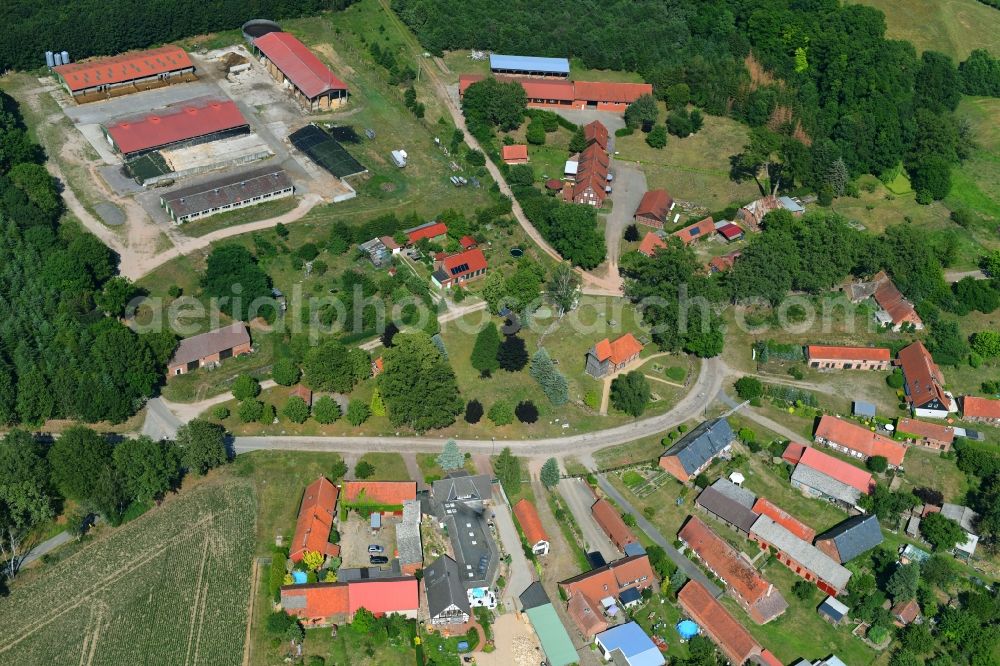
pixel 516 252
pixel 687 629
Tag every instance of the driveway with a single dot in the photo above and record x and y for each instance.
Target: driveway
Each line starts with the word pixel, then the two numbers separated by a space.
pixel 613 121
pixel 579 499
pixel 686 565
pixel 629 186
pixel 519 574
pixel 160 422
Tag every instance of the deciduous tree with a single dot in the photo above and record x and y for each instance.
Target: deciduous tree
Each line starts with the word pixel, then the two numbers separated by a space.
pixel 942 533
pixel 630 393
pixel 286 372
pixel 202 445
pixel 295 410
pixel 146 468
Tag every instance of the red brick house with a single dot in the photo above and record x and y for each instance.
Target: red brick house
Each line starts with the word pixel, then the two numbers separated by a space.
pixel 316 517
pixel 608 581
pixel 895 310
pixel 515 154
pixel 611 522
pixel 591 186
pixel 929 435
pixel 209 348
pixel 596 132
pixel 321 604
pixel 459 268
pixel 858 441
pixel 848 358
pixel 654 209
pixel 701 229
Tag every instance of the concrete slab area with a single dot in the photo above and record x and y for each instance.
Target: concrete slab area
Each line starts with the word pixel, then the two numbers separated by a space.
pixel 579 499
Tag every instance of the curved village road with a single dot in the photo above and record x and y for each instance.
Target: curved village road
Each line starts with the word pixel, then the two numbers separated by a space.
pixel 707 386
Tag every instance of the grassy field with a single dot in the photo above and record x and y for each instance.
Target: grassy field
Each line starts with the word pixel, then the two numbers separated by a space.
pixel 174 583
pixel 641 450
pixel 388 466
pixel 232 218
pixel 694 169
pixel 432 471
pixel 953 27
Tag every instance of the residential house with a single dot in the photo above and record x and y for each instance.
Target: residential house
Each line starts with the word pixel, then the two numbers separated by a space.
pixel 610 580
pixel 317 513
pixel 607 357
pixel 611 522
pixel 628 645
pixel 319 604
pixel 650 243
pixel 555 641
pixel 922 433
pixel 757 596
pixel 833 611
pixel 924 385
pixel 435 232
pixel 447 602
pixel 592 177
pixel 735 642
pixel 654 209
pixel 857 441
pixel 461 504
pixel 851 538
pixel 723 263
pixel 730 511
pixel 460 268
pixel 905 612
pixel 983 410
pixel 752 215
pixel 822 475
pixel 209 349
pixel 894 310
pixel 696 449
pixel 596 132
pixel 848 358
pixel 800 556
pixel 765 507
pixel 694 232
pixel 531 527
pixel 514 154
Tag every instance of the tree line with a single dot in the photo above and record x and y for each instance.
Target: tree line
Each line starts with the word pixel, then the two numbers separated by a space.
pixel 87 28
pixel 63 351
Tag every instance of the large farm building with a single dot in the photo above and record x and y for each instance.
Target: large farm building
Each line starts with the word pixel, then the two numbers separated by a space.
pixel 126 73
pixel 291 63
pixel 560 93
pixel 197 122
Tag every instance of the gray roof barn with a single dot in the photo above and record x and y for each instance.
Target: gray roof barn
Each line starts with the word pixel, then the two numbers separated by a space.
pixel 199 346
pixel 726 509
pixel 534 596
pixel 702 444
pixel 802 552
pixel 226 191
pixel 408 534
pixel 443 585
pixel 853 537
pixel 962 515
pixel 821 483
pixel 734 492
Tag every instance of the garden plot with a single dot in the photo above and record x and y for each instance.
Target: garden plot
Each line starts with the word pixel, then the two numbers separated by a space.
pixel 174 583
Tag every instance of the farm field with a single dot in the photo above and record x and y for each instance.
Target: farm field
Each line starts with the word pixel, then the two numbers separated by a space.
pixel 174 583
pixel 953 27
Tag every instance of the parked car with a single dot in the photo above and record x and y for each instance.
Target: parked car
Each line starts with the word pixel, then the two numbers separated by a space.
pixel 378 559
pixel 375 549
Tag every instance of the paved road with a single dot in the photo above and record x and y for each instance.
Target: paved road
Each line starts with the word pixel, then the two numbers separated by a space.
pixel 160 422
pixel 955 276
pixel 629 186
pixel 686 565
pixel 579 499
pixel 770 424
pixel 520 574
pixel 46 547
pixel 709 382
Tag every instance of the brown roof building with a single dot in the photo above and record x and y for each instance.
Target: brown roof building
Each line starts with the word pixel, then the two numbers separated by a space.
pixel 596 132
pixel 531 526
pixel 588 618
pixel 651 242
pixel 754 594
pixel 922 433
pixel 694 232
pixel 129 72
pixel 316 516
pixel 905 612
pixel 515 154
pixel 827 357
pixel 733 640
pixel 858 441
pixel 609 581
pixel 611 522
pixel 209 348
pixel 895 309
pixel 608 356
pixel 924 382
pixel 654 208
pixel 980 409
pixel 752 215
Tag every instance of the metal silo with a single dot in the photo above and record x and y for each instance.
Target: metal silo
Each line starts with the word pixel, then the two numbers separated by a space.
pixel 58 58
pixel 49 59
pixel 65 58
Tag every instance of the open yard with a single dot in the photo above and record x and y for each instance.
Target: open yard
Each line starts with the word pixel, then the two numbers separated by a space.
pixel 388 466
pixel 953 27
pixel 175 583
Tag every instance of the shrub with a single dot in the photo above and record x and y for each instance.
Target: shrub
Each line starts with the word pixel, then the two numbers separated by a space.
pixel 174 291
pixel 473 411
pixel 526 412
pixel 250 410
pixel 364 469
pixel 796 372
pixel 749 388
pixel 357 412
pixel 592 400
pixel 245 387
pixel 501 413
pixel 296 410
pixel 307 252
pixel 895 380
pixel 326 410
pixel 675 373
pixel 657 138
pixel 220 412
pixel 624 131
pixel 268 414
pixel 285 372
pixel 702 480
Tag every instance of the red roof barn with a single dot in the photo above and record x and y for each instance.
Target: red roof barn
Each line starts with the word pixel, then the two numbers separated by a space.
pixel 154 131
pixel 515 154
pixel 612 524
pixel 531 525
pixel 290 60
pixel 654 208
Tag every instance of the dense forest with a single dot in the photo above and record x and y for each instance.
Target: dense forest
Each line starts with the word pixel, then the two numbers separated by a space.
pixel 106 27
pixel 824 89
pixel 61 356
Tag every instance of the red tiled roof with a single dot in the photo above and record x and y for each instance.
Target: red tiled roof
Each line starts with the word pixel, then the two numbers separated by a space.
pixel 934 431
pixel 427 231
pixel 587 616
pixel 316 515
pixel 849 353
pixel 793 452
pixel 189 122
pixel 735 642
pixel 553 184
pixel 124 67
pixel 610 579
pixel 518 151
pixel 696 231
pixel 606 91
pixel 923 377
pixel 298 63
pixel 906 611
pixel 467 242
pixel 543 89
pixel 725 262
pixel 650 243
pixel 385 595
pixel 611 522
pixel 837 469
pixel 390 243
pixel 892 301
pixel 595 131
pixel 655 204
pixel 379 492
pixel 790 523
pixel 379 365
pixel 740 577
pixel 730 231
pixel 769 659
pixel 474 259
pixel 858 438
pixel 620 350
pixel 531 524
pixel 982 408
pixel 317 601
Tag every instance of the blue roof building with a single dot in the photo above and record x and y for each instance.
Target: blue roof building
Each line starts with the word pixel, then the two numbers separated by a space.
pixel 866 409
pixel 631 549
pixel 528 65
pixel 629 644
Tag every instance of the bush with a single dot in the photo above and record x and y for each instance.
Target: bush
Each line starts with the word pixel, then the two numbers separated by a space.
pixel 657 138
pixel 592 400
pixel 702 480
pixel 296 410
pixel 624 131
pixel 473 411
pixel 526 412
pixel 326 410
pixel 364 469
pixel 245 387
pixel 285 372
pixel 250 410
pixel 220 412
pixel 307 252
pixel 895 380
pixel 520 174
pixel 501 413
pixel 749 388
pixel 796 372
pixel 357 412
pixel 804 590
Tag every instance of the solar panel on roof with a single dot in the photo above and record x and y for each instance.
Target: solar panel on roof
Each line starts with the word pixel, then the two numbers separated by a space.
pixel 461 268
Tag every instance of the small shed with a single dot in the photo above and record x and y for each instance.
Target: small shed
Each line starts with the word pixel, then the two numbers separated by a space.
pixel 399 158
pixel 737 478
pixel 630 597
pixel 865 409
pixel 376 522
pixel 634 548
pixel 833 610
